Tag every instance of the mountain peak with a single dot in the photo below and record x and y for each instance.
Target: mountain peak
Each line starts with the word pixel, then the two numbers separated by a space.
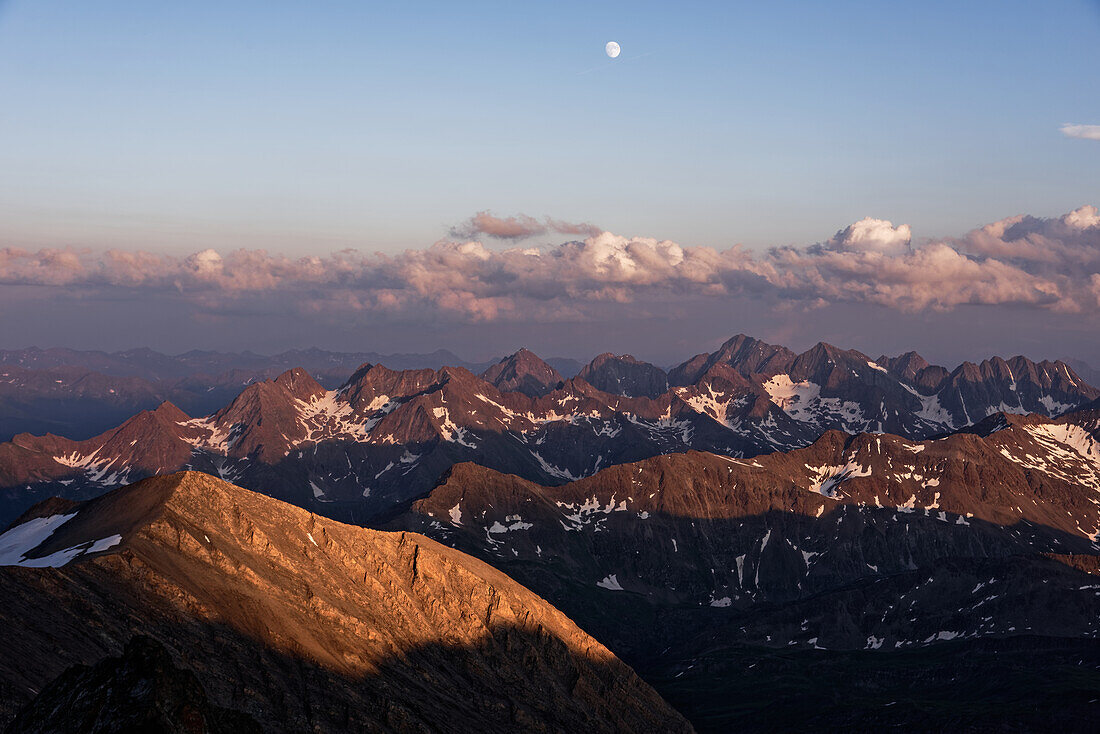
pixel 907 366
pixel 748 355
pixel 624 375
pixel 738 341
pixel 828 365
pixel 170 412
pixel 300 384
pixel 523 372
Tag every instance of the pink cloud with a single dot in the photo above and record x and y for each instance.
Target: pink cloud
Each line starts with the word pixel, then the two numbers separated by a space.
pixel 1051 264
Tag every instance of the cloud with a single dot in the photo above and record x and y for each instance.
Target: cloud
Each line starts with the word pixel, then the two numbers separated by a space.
pixel 45 267
pixel 1040 263
pixel 872 235
pixel 518 227
pixel 1085 132
pixel 1055 245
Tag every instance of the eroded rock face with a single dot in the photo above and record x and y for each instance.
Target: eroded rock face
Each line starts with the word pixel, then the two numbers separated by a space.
pixel 304 623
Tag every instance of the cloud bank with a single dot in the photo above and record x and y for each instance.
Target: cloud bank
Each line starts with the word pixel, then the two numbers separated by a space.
pixel 1085 132
pixel 1051 264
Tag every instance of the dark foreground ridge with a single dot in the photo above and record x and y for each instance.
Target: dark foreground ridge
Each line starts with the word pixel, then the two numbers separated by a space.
pixel 141 691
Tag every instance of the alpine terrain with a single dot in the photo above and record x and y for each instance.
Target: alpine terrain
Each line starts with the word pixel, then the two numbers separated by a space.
pixel 745 530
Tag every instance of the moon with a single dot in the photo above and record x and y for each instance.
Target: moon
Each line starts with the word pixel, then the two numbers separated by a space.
pixel 612 49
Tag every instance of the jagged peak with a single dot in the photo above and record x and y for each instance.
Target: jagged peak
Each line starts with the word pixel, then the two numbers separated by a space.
pixel 522 357
pixel 359 374
pixel 745 353
pixel 458 374
pixel 169 411
pixel 299 383
pixel 369 372
pixel 625 375
pixel 296 383
pixel 166 414
pixel 601 359
pixel 524 371
pixel 740 340
pixel 833 352
pixel 906 363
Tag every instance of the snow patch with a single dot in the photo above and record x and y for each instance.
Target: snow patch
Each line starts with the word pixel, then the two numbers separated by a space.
pixel 515 522
pixel 610 582
pixel 826 479
pixel 16 543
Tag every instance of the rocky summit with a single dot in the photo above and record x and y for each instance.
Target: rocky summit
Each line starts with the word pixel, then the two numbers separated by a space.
pixel 523 372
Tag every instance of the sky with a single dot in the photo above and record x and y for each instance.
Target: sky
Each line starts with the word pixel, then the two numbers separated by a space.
pixel 372 175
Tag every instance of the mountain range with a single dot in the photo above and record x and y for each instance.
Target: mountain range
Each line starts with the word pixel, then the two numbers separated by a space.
pixel 83 393
pixel 384 437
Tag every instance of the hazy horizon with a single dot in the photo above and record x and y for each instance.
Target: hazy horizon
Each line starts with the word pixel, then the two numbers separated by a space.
pixel 481 177
pixel 663 358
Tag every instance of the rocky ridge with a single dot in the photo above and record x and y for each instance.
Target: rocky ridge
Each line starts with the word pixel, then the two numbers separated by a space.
pixel 300 622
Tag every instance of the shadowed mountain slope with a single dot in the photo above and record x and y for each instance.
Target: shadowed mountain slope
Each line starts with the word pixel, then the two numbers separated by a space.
pixel 860 544
pixel 140 691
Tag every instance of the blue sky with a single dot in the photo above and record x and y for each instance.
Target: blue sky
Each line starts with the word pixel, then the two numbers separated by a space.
pixel 306 127
pixel 180 135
